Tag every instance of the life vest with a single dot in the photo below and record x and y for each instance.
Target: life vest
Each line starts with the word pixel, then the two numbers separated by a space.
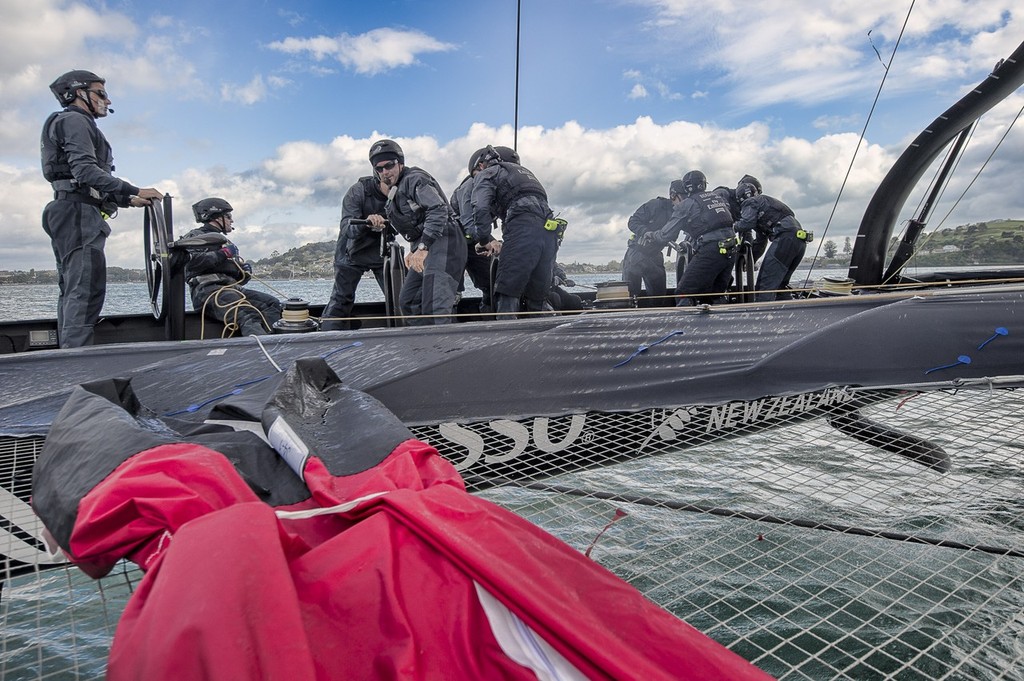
pixel 715 214
pixel 55 160
pixel 514 182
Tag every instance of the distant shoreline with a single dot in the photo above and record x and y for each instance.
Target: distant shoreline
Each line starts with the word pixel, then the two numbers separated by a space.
pixel 122 275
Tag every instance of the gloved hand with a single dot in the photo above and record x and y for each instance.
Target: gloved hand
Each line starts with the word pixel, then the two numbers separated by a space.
pixel 230 251
pixel 648 239
pixel 246 267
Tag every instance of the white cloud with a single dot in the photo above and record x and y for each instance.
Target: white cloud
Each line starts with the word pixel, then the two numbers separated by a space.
pixel 594 177
pixel 42 39
pixel 250 93
pixel 638 92
pixel 376 51
pixel 812 53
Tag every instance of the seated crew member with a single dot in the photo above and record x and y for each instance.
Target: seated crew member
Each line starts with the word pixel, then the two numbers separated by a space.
pixel 643 266
pixel 558 297
pixel 421 213
pixel 508 191
pixel 773 221
pixel 706 220
pixel 215 276
pixel 357 250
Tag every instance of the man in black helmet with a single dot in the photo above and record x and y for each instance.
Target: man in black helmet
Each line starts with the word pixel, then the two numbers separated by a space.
pixel 643 265
pixel 478 265
pixel 507 190
pixel 77 161
pixel 729 194
pixel 773 221
pixel 357 250
pixel 706 220
pixel 420 212
pixel 215 273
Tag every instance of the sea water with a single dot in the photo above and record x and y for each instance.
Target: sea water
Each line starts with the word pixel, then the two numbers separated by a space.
pixel 39 301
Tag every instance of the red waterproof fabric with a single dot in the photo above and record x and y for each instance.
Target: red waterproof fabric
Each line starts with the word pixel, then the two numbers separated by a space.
pixel 382 591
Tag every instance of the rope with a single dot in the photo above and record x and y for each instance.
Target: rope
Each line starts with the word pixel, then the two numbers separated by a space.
pixel 864 130
pixel 232 308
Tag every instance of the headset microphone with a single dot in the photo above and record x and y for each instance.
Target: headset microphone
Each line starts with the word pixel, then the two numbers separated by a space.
pixel 110 109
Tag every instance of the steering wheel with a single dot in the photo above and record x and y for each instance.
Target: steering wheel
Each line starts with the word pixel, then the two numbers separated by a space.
pixel 158 237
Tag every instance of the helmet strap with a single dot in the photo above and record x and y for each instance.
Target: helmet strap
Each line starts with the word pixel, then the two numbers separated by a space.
pixel 88 100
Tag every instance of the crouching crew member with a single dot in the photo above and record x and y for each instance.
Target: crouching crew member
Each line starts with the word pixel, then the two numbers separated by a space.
pixel 215 276
pixel 706 220
pixel 772 220
pixel 357 250
pixel 507 190
pixel 420 212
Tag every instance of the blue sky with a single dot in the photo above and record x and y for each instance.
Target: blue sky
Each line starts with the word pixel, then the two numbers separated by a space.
pixel 274 105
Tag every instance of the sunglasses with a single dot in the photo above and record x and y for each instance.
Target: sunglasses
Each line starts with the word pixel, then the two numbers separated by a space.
pixel 387 165
pixel 101 93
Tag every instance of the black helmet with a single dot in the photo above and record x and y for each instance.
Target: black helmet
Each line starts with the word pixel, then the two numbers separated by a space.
pixel 386 150
pixel 65 87
pixel 490 155
pixel 752 180
pixel 693 182
pixel 507 154
pixel 210 209
pixel 676 189
pixel 474 160
pixel 746 190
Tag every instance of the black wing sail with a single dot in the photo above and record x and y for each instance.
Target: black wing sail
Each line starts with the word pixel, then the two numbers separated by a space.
pixel 876 227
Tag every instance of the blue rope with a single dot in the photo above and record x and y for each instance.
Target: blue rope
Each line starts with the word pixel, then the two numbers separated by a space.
pixel 962 359
pixel 355 344
pixel 196 407
pixel 644 348
pixel 1000 331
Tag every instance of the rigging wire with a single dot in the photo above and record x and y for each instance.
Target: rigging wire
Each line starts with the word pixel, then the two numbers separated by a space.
pixel 930 197
pixel 863 132
pixel 981 169
pixel 927 237
pixel 515 113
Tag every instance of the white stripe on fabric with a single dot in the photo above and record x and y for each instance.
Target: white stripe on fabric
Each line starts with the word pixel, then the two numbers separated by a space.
pixel 340 508
pixel 523 645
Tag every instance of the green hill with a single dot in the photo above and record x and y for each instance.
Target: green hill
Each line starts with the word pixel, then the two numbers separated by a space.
pixel 309 261
pixel 996 242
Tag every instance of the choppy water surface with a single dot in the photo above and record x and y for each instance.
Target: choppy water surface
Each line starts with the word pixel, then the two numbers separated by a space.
pixel 39 301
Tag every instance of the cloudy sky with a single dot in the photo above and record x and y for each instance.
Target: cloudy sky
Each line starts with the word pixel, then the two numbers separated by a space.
pixel 274 105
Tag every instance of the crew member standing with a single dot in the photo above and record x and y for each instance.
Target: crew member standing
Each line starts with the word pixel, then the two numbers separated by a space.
pixel 706 220
pixel 216 275
pixel 507 190
pixel 78 162
pixel 420 212
pixel 357 250
pixel 643 265
pixel 478 265
pixel 772 220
